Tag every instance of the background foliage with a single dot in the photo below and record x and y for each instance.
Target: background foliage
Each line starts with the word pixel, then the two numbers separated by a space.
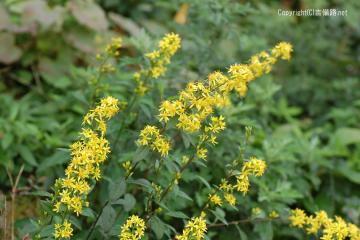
pixel 305 115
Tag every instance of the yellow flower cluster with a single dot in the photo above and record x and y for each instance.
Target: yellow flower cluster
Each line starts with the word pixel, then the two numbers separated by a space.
pixel 215 199
pixel 88 153
pixel 63 230
pixel 128 168
pixel 158 60
pixel 151 136
pixel 331 228
pixel 194 229
pixel 161 57
pixel 133 229
pixel 273 214
pixel 282 50
pixel 254 167
pixel 198 101
pixel 111 50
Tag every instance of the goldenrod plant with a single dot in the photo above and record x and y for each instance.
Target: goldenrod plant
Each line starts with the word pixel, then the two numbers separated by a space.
pixel 196 111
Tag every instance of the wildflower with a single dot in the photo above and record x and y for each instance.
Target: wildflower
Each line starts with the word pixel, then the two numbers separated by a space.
pixel 354 232
pixel 113 48
pixel 201 153
pixel 331 228
pixel 226 186
pixel 158 58
pixel 133 229
pixel 282 50
pixel 169 109
pixel 273 214
pixel 128 168
pixel 256 211
pixel 298 218
pixel 194 229
pixel 87 154
pixel 230 198
pixel 194 106
pixel 63 230
pixel 242 183
pixel 217 124
pixel 150 136
pixel 170 43
pixel 215 199
pixel 256 166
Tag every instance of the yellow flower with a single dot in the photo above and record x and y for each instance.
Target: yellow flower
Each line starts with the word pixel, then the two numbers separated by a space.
pixel 113 48
pixel 242 183
pixel 298 218
pixel 226 186
pixel 158 60
pixel 201 152
pixel 215 199
pixel 194 229
pixel 230 198
pixel 63 230
pixel 273 214
pixel 150 136
pixel 128 168
pixel 133 229
pixel 217 124
pixel 256 211
pixel 87 154
pixel 256 166
pixel 331 228
pixel 170 43
pixel 283 50
pixel 167 110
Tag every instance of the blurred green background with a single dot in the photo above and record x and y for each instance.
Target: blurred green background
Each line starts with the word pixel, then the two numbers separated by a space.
pixel 306 114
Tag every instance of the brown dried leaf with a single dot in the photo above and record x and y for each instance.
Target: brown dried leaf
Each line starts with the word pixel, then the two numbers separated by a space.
pixel 9 52
pixel 182 13
pixel 4 19
pixel 35 12
pixel 89 14
pixel 126 24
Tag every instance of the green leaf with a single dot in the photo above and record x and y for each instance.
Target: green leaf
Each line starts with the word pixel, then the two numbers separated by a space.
pixel 117 189
pixel 88 212
pixel 158 227
pixel 142 182
pixel 128 202
pixel 220 215
pixel 40 193
pixel 241 233
pixel 346 171
pixel 7 140
pixel 27 155
pixel 347 136
pixel 107 218
pixel 181 194
pixel 177 214
pixel 140 154
pixel 265 230
pixel 59 157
